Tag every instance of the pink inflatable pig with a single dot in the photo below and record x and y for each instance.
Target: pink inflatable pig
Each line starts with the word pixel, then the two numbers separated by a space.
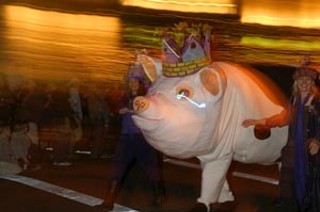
pixel 200 115
pixel 195 108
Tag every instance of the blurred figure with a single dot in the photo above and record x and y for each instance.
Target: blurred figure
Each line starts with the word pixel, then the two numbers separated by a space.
pixel 6 100
pixel 57 113
pixel 76 105
pixel 8 163
pixel 299 185
pixel 98 114
pixel 20 144
pixel 44 128
pixel 30 112
pixel 15 97
pixel 132 145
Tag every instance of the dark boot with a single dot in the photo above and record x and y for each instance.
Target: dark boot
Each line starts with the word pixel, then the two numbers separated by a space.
pixel 110 198
pixel 159 195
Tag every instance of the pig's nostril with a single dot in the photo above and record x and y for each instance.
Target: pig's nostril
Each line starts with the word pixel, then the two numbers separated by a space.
pixel 136 104
pixel 140 104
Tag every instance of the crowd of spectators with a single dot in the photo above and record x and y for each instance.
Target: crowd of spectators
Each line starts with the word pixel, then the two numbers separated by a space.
pixel 56 117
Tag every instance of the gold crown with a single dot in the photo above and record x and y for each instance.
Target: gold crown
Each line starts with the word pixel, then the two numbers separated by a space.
pixel 185 48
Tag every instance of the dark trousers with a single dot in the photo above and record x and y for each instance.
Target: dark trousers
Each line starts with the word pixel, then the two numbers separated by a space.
pixel 287 181
pixel 61 146
pixel 134 146
pixel 98 140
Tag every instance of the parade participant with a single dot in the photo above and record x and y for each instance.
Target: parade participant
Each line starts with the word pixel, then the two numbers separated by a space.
pixel 299 185
pixel 133 145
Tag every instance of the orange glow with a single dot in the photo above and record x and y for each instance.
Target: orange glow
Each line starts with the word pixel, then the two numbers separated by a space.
pixel 16 14
pixel 65 43
pixel 297 13
pixel 193 6
pixel 304 13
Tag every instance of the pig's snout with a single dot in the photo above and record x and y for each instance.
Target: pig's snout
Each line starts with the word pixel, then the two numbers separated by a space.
pixel 140 104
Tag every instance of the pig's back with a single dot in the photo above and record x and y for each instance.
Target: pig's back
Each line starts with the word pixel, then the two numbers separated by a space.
pixel 249 96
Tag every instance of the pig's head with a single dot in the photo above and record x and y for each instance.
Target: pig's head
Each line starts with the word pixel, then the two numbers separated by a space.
pixel 180 115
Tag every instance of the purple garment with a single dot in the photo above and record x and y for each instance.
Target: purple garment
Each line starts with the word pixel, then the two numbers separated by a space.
pixel 128 126
pixel 299 183
pixel 300 155
pixel 132 147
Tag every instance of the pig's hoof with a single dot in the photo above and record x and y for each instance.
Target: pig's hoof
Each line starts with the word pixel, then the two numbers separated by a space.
pixel 199 207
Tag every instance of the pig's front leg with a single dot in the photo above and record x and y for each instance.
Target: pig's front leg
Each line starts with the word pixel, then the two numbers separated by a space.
pixel 214 187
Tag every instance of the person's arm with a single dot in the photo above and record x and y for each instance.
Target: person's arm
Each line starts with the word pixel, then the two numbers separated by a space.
pixel 278 120
pixel 125 110
pixel 123 106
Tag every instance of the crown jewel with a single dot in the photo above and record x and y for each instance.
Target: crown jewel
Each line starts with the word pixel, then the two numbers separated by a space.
pixel 185 48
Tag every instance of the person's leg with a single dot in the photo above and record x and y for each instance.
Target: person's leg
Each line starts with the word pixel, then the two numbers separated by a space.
pixel 43 142
pixel 121 161
pixel 74 126
pixel 97 141
pixel 86 129
pixel 61 146
pixel 148 159
pixel 286 193
pixel 59 151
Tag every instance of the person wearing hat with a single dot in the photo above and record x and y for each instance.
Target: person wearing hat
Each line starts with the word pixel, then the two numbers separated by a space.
pixel 132 145
pixel 299 184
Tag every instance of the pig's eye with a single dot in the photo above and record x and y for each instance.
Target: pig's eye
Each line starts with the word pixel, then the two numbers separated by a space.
pixel 185 91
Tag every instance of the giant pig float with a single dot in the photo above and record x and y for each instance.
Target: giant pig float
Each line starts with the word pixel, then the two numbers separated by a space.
pixel 199 114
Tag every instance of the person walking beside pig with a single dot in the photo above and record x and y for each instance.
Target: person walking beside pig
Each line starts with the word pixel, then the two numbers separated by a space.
pixel 132 144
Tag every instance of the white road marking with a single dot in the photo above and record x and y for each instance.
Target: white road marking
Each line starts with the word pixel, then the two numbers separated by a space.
pixel 63 192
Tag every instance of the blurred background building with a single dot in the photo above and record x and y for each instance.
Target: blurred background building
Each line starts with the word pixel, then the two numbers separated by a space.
pixel 95 39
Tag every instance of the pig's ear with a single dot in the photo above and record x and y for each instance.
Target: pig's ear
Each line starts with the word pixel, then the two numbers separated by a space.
pixel 213 81
pixel 151 66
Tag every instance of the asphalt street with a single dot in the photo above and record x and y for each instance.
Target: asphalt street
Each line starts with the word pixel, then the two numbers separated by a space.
pixel 81 186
